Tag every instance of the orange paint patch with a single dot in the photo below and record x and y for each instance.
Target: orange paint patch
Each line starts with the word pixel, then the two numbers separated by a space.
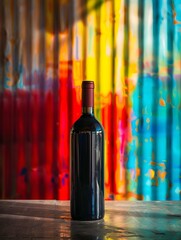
pixel 158 164
pixel 137 172
pixel 162 102
pixel 175 20
pixel 131 195
pixel 162 175
pixel 162 165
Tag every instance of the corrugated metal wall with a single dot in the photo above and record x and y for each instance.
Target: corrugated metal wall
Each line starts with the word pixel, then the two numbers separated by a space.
pixel 132 50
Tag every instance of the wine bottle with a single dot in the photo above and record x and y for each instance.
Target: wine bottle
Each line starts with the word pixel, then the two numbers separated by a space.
pixel 87 161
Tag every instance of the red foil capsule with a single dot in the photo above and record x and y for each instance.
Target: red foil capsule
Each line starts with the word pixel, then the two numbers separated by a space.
pixel 88 94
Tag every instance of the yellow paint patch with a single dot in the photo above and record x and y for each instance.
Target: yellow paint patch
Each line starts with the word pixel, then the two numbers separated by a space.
pixel 152 173
pixel 77 72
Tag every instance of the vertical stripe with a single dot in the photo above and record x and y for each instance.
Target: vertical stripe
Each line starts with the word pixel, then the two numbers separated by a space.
pixel 141 5
pixel 2 80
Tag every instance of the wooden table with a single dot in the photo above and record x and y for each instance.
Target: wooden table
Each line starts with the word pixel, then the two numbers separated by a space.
pixel 22 219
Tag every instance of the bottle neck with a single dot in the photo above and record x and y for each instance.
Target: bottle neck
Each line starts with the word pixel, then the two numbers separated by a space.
pixel 88 110
pixel 88 97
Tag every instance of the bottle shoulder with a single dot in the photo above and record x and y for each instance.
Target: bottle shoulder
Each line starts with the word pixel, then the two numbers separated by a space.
pixel 87 123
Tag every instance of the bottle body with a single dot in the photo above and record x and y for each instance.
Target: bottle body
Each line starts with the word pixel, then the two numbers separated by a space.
pixel 87 169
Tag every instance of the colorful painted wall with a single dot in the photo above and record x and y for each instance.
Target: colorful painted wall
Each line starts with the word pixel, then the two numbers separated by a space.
pixel 132 50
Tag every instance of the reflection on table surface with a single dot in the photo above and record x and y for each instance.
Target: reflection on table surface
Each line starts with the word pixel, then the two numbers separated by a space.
pixel 26 219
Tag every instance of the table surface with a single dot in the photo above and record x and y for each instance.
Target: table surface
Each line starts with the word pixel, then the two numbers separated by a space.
pixel 50 219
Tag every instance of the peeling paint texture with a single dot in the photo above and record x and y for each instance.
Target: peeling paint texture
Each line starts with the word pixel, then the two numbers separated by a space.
pixel 131 49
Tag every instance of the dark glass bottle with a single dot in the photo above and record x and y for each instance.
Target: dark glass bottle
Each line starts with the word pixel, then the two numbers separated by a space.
pixel 87 161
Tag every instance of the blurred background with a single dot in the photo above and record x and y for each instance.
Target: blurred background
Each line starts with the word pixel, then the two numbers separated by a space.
pixel 132 50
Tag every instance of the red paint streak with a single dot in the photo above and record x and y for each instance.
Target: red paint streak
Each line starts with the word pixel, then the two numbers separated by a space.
pixel 38 136
pixel 21 129
pixel 106 117
pixel 64 133
pixel 121 135
pixel 123 128
pixel 49 141
pixel 6 138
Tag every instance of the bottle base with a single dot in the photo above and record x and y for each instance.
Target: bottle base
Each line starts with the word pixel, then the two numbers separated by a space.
pixel 87 221
pixel 78 219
